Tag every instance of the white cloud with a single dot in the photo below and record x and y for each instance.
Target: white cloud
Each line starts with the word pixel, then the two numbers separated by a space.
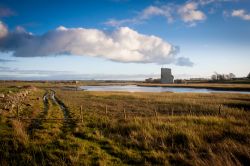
pixel 207 2
pixel 118 23
pixel 189 13
pixel 147 13
pixel 150 11
pixel 122 45
pixel 3 30
pixel 241 13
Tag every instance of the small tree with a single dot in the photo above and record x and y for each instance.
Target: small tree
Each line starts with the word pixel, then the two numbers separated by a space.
pixel 248 76
pixel 220 77
pixel 231 76
pixel 217 76
pixel 214 77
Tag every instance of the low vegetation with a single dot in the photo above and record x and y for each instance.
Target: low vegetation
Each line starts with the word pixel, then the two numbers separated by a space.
pixel 54 126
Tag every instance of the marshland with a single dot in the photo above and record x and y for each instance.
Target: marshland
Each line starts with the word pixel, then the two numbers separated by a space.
pixel 124 82
pixel 48 124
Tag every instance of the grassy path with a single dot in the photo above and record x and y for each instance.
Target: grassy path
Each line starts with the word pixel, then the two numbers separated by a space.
pixel 69 124
pixel 36 123
pixel 48 139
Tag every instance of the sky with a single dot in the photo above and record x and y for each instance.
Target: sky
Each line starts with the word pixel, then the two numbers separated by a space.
pixel 123 39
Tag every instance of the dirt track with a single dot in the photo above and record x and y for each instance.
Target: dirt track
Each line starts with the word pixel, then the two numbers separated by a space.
pixel 50 97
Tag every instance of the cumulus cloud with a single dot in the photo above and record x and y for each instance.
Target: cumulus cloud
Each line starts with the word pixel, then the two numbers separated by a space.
pixel 165 11
pixel 122 45
pixel 190 13
pixel 187 12
pixel 3 30
pixel 241 13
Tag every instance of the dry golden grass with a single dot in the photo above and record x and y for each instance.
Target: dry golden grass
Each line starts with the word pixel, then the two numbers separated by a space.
pixel 159 129
pixel 198 138
pixel 20 133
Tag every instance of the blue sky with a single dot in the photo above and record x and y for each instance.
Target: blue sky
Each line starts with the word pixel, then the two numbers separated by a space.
pixel 211 36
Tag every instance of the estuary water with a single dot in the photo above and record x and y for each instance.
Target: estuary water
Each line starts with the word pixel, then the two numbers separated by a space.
pixel 135 88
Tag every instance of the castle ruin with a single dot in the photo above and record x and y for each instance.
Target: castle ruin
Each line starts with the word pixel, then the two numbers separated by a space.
pixel 166 76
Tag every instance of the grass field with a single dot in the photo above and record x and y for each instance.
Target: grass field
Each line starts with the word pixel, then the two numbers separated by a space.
pixel 48 125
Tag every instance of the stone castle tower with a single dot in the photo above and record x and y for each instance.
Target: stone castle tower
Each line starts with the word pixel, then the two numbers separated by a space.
pixel 166 76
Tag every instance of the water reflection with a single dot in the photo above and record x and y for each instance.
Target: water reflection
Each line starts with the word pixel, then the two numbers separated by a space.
pixel 134 88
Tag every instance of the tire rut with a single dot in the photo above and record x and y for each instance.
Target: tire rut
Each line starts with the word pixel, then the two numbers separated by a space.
pixel 37 123
pixel 69 124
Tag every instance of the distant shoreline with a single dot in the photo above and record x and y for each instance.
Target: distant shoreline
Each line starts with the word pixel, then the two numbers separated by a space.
pixel 226 87
pixel 72 85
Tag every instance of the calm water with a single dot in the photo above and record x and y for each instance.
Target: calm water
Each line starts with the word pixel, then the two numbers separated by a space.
pixel 134 88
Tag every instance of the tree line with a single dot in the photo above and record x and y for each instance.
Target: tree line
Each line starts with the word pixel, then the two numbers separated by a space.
pixel 230 76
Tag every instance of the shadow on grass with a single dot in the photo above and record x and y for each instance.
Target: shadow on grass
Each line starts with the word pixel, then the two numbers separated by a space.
pixel 69 123
pixel 37 123
pixel 244 106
